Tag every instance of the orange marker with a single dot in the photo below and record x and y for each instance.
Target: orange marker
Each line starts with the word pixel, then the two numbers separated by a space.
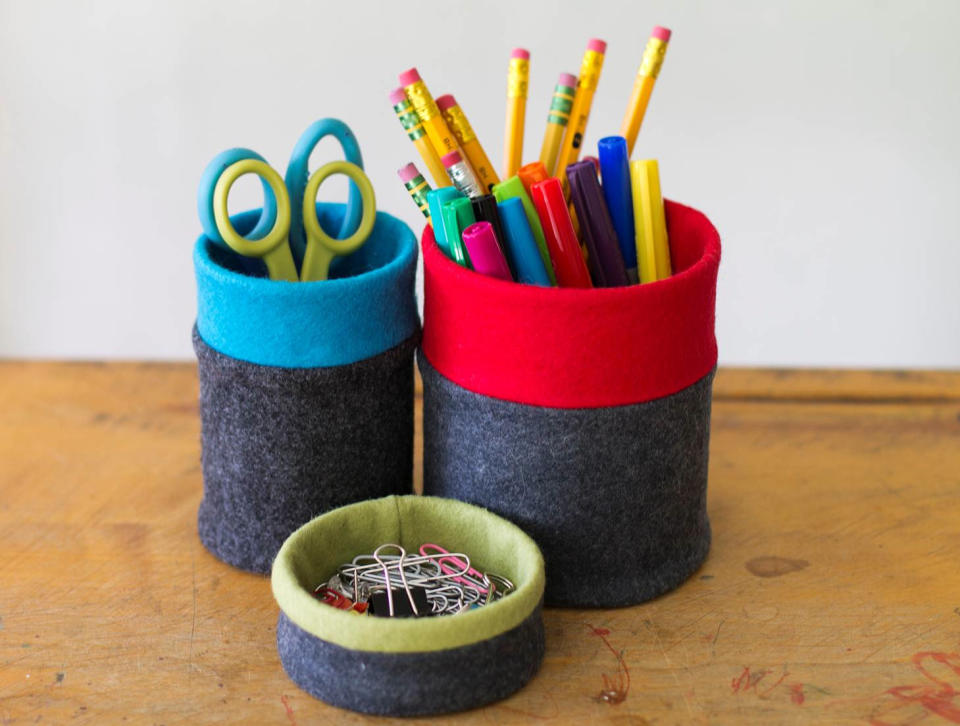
pixel 426 108
pixel 463 133
pixel 643 85
pixel 532 173
pixel 586 86
pixel 518 77
pixel 414 127
pixel 560 107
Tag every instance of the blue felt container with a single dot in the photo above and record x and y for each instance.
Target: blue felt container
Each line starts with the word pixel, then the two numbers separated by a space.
pixel 306 388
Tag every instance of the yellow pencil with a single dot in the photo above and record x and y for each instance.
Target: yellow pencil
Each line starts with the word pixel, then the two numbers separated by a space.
pixel 643 85
pixel 653 248
pixel 463 133
pixel 430 116
pixel 582 101
pixel 414 128
pixel 557 119
pixel 518 77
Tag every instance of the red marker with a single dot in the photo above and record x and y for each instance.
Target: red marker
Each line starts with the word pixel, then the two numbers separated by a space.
pixel 562 241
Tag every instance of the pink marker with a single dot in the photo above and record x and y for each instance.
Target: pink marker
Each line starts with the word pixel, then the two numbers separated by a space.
pixel 485 254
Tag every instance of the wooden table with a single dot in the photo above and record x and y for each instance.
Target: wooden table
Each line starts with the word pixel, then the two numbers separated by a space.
pixel 831 594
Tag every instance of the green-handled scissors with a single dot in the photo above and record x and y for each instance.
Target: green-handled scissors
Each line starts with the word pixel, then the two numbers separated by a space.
pixel 274 246
pixel 288 233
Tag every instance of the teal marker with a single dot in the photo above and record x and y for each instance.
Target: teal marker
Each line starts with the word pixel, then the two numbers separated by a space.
pixel 436 198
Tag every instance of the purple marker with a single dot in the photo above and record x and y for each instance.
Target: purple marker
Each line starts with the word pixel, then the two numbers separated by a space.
pixel 596 227
pixel 485 254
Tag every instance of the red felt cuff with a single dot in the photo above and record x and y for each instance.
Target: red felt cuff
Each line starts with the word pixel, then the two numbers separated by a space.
pixel 576 348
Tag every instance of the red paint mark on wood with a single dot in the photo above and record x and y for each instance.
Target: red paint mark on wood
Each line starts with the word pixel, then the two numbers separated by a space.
pixel 747 680
pixel 796 693
pixel 286 705
pixel 615 689
pixel 937 695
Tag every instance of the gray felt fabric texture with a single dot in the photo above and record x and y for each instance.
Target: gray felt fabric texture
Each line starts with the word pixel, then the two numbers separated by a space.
pixel 283 445
pixel 615 497
pixel 413 684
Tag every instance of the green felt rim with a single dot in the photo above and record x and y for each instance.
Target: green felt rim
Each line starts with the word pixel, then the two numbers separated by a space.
pixel 312 554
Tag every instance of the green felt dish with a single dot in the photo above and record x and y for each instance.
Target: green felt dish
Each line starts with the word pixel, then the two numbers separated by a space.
pixel 311 555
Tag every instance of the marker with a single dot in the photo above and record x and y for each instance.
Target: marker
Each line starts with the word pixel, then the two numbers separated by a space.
pixel 485 210
pixel 586 86
pixel 436 198
pixel 615 169
pixel 604 259
pixel 414 127
pixel 467 139
pixel 647 74
pixel 557 118
pixel 513 187
pixel 485 254
pixel 461 175
pixel 653 247
pixel 457 215
pixel 532 173
pixel 417 186
pixel 520 245
pixel 518 77
pixel 561 239
pixel 437 131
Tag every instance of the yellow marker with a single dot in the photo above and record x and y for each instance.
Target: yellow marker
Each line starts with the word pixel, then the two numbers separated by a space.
pixel 518 78
pixel 414 127
pixel 643 85
pixel 586 86
pixel 557 118
pixel 463 133
pixel 653 248
pixel 430 116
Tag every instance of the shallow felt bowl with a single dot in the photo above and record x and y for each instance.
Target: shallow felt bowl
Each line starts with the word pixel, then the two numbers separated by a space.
pixel 409 666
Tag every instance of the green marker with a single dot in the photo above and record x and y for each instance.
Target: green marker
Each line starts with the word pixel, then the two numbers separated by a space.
pixel 457 216
pixel 511 188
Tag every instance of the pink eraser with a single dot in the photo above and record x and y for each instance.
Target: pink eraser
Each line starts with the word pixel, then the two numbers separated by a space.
pixel 409 77
pixel 520 53
pixel 397 95
pixel 446 101
pixel 452 158
pixel 567 79
pixel 598 45
pixel 661 33
pixel 408 172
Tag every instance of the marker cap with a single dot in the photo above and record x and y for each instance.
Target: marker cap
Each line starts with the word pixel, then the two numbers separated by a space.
pixel 485 254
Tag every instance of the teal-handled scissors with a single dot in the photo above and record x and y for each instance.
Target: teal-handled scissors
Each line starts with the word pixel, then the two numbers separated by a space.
pixel 288 231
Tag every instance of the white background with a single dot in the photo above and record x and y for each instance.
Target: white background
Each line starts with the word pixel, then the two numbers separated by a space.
pixel 822 139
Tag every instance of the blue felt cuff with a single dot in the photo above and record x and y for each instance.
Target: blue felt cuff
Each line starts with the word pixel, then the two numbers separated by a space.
pixel 366 307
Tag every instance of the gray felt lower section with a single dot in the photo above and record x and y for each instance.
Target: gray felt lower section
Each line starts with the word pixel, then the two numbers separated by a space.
pixel 615 497
pixel 413 684
pixel 283 445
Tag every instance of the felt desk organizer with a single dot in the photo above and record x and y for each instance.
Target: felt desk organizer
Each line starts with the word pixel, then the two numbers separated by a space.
pixel 582 415
pixel 409 666
pixel 306 388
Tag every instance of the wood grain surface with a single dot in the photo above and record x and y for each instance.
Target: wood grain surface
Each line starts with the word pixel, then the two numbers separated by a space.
pixel 831 593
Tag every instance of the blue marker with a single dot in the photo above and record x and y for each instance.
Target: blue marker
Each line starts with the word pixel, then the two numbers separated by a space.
pixel 615 172
pixel 436 198
pixel 520 243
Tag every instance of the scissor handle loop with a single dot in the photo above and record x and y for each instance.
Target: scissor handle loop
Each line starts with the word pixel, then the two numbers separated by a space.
pixel 321 247
pixel 297 173
pixel 272 247
pixel 208 181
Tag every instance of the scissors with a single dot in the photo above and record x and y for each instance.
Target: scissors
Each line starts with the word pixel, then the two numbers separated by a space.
pixel 288 234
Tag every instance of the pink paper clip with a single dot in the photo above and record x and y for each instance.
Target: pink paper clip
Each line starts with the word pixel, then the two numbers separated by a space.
pixel 459 564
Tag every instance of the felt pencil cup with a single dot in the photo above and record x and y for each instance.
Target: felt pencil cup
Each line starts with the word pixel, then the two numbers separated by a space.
pixel 582 415
pixel 306 388
pixel 413 666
